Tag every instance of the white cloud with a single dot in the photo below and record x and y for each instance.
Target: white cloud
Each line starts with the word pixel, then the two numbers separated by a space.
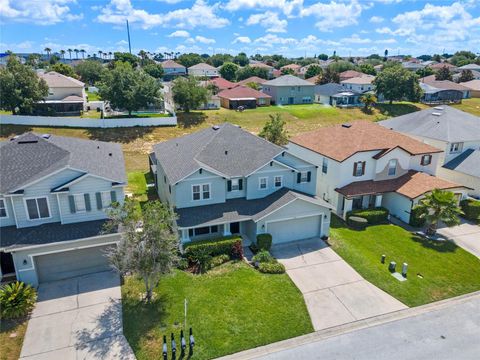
pixel 286 6
pixel 17 47
pixel 273 39
pixel 386 41
pixel 268 20
pixel 334 14
pixel 242 40
pixel 377 19
pixel 46 12
pixel 180 33
pixel 355 39
pixel 122 43
pixel 204 40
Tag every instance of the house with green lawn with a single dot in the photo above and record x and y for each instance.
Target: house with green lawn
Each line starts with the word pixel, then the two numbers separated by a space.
pixel 289 90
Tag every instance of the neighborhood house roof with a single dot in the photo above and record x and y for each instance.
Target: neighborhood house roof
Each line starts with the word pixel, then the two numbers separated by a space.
pixel 360 80
pixel 348 74
pixel 252 79
pixel 202 66
pixel 291 66
pixel 441 65
pixel 442 84
pixel 261 65
pixel 222 83
pixel 441 122
pixel 472 84
pixel 358 136
pixel 288 80
pixel 170 64
pixel 242 92
pixel 56 80
pixel 470 67
pixel 313 79
pixel 30 157
pixel 468 163
pixel 226 148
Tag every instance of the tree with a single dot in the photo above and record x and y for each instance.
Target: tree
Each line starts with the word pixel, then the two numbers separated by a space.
pixel 466 75
pixel 76 51
pixel 48 51
pixel 33 60
pixel 341 66
pixel 253 85
pixel 62 54
pixel 439 206
pixel 368 100
pixel 70 53
pixel 20 87
pixel 368 69
pixel 241 59
pixel 437 58
pixel 148 246
pixel 313 70
pixel 329 76
pixel 219 59
pixel 127 88
pixel 125 57
pixel 274 130
pixel 190 59
pixel 397 83
pixel 90 71
pixel 229 71
pixel 386 54
pixel 63 69
pixel 82 51
pixel 426 71
pixel 443 74
pixel 188 93
pixel 288 71
pixel 323 57
pixel 248 71
pixel 154 70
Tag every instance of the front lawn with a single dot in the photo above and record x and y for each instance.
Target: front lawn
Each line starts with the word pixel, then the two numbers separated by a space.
pixel 12 333
pixel 447 269
pixel 231 308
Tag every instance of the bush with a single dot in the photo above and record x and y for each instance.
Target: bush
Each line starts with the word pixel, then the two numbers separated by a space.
pixel 415 219
pixel 182 264
pixel 357 223
pixel 213 247
pixel 271 268
pixel 237 250
pixel 16 300
pixel 373 216
pixel 263 256
pixel 264 241
pixel 219 260
pixel 471 208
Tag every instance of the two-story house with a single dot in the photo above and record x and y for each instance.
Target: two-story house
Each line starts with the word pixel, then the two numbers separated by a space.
pixel 359 84
pixel 453 131
pixel 224 180
pixel 362 165
pixel 289 90
pixel 54 194
pixel 203 70
pixel 172 69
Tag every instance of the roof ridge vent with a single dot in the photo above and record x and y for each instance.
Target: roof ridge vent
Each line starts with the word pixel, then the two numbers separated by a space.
pixel 46 136
pixel 438 107
pixel 347 125
pixel 436 113
pixel 215 127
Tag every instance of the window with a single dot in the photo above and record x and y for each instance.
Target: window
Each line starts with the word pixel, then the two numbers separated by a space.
pixel 456 147
pixel 37 208
pixel 203 231
pixel 304 176
pixel 235 185
pixel 80 202
pixel 392 167
pixel 206 191
pixel 324 165
pixel 3 209
pixel 426 160
pixel 359 168
pixel 278 181
pixel 262 183
pixel 201 192
pixel 106 199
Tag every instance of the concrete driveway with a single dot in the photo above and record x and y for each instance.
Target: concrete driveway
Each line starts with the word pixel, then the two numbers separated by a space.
pixel 78 318
pixel 334 292
pixel 465 235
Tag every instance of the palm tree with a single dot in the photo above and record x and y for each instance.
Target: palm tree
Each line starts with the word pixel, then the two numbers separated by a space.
pixel 76 51
pixel 62 53
pixel 70 53
pixel 439 206
pixel 48 51
pixel 368 101
pixel 110 55
pixel 100 52
pixel 83 53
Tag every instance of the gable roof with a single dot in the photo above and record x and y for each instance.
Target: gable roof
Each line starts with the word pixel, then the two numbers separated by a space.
pixel 291 66
pixel 260 65
pixel 442 84
pixel 222 83
pixel 470 67
pixel 313 79
pixel 467 162
pixel 441 65
pixel 360 80
pixel 171 64
pixel 56 80
pixel 226 148
pixel 472 84
pixel 202 66
pixel 348 74
pixel 441 122
pixel 252 79
pixel 242 92
pixel 339 142
pixel 30 157
pixel 288 80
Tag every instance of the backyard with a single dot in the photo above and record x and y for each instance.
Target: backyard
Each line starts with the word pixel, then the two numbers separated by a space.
pixel 12 333
pixel 436 269
pixel 231 308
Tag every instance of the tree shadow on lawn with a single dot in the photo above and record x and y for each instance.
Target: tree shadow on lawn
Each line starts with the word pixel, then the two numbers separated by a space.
pixel 188 120
pixel 437 245
pixel 392 110
pixel 120 135
pixel 12 130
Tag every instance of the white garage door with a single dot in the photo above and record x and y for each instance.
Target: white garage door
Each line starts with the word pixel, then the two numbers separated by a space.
pixel 67 264
pixel 295 229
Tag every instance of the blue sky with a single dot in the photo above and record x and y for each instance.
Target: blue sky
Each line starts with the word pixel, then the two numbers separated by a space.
pixel 288 27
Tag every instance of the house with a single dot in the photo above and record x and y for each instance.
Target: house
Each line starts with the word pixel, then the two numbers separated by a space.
pixel 455 132
pixel 224 180
pixel 203 70
pixel 469 67
pixel 413 66
pixel 66 95
pixel 213 103
pixel 456 77
pixel 314 79
pixel 54 194
pixel 270 69
pixel 172 69
pixel 363 165
pixel 474 86
pixel 303 70
pixel 336 95
pixel 359 84
pixel 243 96
pixel 222 84
pixel 292 67
pixel 442 91
pixel 441 65
pixel 253 79
pixel 289 90
pixel 348 74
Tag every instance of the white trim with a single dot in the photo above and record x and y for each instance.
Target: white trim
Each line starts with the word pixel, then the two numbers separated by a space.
pixel 82 195
pixel 281 207
pixel 298 217
pixel 59 208
pixel 287 166
pixel 14 212
pixel 40 179
pixel 201 191
pixel 269 161
pixel 306 178
pixel 5 207
pixel 78 178
pixel 260 183
pixel 37 197
pixel 200 168
pixel 104 206
pixel 86 175
pixel 216 223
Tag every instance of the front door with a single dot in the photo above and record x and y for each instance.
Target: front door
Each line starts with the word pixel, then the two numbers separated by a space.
pixel 6 263
pixel 235 228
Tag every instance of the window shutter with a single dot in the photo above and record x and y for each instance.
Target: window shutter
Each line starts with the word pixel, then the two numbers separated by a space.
pixel 229 185
pixel 71 201
pixel 99 201
pixel 240 184
pixel 309 176
pixel 88 206
pixel 363 167
pixel 113 195
pixel 299 178
pixel 355 169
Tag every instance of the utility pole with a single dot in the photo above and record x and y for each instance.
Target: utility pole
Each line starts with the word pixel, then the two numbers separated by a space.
pixel 128 33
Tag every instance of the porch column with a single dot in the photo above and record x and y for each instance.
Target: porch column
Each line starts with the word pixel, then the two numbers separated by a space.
pixel 378 200
pixel 185 237
pixel 347 207
pixel 226 229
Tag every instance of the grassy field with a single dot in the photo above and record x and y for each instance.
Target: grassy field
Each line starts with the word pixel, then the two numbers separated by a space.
pixel 93 96
pixel 446 270
pixel 137 142
pixel 11 338
pixel 470 105
pixel 231 308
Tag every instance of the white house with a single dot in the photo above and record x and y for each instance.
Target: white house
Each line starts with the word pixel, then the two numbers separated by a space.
pixel 362 165
pixel 359 84
pixel 203 70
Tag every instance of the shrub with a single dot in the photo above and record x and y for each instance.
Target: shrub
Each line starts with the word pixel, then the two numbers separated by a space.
pixel 237 250
pixel 263 256
pixel 356 222
pixel 373 216
pixel 415 217
pixel 471 208
pixel 182 264
pixel 219 260
pixel 213 247
pixel 202 258
pixel 271 268
pixel 264 241
pixel 16 300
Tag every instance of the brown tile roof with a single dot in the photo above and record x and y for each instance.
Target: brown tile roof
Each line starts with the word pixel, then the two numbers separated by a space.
pixel 313 79
pixel 252 79
pixel 170 64
pixel 56 80
pixel 242 92
pixel 349 74
pixel 291 66
pixel 472 84
pixel 441 65
pixel 360 80
pixel 339 142
pixel 412 185
pixel 442 84
pixel 261 65
pixel 223 84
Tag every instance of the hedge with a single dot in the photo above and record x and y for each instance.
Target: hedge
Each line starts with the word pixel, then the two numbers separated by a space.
pixel 271 268
pixel 415 219
pixel 264 241
pixel 357 222
pixel 471 208
pixel 373 216
pixel 214 247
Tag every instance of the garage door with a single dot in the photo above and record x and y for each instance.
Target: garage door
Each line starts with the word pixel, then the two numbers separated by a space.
pixel 67 264
pixel 295 229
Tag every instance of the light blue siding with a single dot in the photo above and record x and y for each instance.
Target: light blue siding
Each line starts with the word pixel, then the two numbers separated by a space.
pixel 163 186
pixel 183 190
pixel 10 219
pixel 269 172
pixel 236 193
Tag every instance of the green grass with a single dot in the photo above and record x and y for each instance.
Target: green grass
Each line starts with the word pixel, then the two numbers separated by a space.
pixel 10 346
pixel 470 105
pixel 231 308
pixel 93 96
pixel 447 269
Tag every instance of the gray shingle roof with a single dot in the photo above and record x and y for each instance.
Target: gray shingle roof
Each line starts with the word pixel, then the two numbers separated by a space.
pixel 451 125
pixel 13 238
pixel 30 157
pixel 288 80
pixel 331 89
pixel 229 150
pixel 467 162
pixel 241 209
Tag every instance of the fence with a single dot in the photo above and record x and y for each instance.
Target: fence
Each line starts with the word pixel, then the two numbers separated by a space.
pixel 86 122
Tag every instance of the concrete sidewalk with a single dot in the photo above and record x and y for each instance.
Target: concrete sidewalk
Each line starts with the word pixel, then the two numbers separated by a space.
pixel 466 235
pixel 79 318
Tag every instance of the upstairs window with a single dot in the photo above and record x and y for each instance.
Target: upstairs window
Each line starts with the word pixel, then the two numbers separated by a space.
pixel 235 185
pixel 359 168
pixel 79 200
pixel 324 165
pixel 262 183
pixel 278 181
pixel 37 208
pixel 392 167
pixel 106 198
pixel 426 160
pixel 201 192
pixel 3 209
pixel 304 177
pixel 456 147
